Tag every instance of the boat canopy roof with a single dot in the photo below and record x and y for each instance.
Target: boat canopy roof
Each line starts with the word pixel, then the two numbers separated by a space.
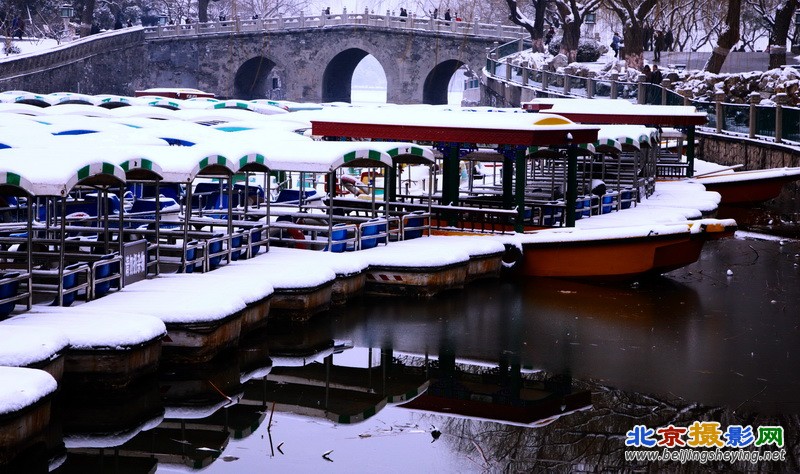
pixel 37 172
pixel 622 112
pixel 110 101
pixel 144 111
pixel 214 115
pixel 56 98
pixel 181 164
pixel 79 109
pixel 24 97
pixel 21 108
pixel 178 132
pixel 635 136
pixel 261 108
pixel 265 125
pixel 449 126
pixel 408 153
pixel 324 157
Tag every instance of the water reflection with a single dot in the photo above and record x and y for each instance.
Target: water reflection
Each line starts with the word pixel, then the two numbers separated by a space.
pixel 452 383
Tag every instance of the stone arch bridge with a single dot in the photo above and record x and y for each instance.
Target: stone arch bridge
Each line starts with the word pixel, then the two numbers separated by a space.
pixel 306 58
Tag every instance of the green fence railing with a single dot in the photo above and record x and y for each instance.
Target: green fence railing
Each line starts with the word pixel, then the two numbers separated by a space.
pixel 765 121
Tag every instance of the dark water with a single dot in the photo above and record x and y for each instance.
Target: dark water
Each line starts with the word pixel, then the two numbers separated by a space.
pixel 696 344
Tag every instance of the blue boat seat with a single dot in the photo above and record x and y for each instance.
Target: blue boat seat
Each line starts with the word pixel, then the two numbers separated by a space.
pixel 7 290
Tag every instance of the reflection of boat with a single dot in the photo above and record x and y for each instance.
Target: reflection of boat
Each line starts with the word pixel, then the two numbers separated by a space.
pixel 497 394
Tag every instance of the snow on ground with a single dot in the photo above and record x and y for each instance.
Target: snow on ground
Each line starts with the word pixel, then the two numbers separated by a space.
pixel 23 387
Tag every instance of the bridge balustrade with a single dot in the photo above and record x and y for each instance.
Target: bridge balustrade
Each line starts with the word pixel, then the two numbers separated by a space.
pixel 411 22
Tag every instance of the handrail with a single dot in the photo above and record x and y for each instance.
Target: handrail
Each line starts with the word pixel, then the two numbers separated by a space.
pixel 763 123
pixel 365 18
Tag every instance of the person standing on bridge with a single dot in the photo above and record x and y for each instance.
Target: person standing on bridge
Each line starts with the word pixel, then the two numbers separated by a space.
pixel 447 16
pixel 668 39
pixel 658 45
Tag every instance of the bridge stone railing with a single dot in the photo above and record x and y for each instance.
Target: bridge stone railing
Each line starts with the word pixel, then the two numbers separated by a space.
pixel 71 52
pixel 365 18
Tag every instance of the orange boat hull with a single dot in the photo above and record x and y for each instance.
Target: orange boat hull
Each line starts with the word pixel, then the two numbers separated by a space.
pixel 749 191
pixel 610 258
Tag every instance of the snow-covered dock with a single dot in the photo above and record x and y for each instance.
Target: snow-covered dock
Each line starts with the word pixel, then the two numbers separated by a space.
pixel 25 396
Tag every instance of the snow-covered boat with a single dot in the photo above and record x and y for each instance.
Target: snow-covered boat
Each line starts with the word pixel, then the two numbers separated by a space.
pixel 747 187
pixel 621 244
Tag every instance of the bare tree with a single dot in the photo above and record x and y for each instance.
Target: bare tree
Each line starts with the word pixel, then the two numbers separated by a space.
pixel 727 39
pixel 755 25
pixel 777 17
pixel 534 26
pixel 572 14
pixel 632 14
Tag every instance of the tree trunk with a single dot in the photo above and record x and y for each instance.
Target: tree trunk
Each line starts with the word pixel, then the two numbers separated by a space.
pixel 780 33
pixel 634 46
pixel 728 38
pixel 571 39
pixel 535 29
pixel 202 11
pixel 87 18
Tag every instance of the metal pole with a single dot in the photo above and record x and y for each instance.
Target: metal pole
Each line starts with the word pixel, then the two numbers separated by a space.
pixel 572 184
pixel 690 151
pixel 521 167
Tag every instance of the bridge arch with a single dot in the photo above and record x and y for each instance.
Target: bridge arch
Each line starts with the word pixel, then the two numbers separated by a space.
pixel 435 87
pixel 337 80
pixel 252 79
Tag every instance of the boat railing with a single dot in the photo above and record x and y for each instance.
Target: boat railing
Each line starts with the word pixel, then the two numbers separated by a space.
pixel 415 224
pixel 74 278
pixel 105 274
pixel 180 256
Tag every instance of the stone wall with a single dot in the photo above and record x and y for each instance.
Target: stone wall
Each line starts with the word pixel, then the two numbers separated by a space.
pixel 753 154
pixel 106 63
pixel 310 64
pixel 300 59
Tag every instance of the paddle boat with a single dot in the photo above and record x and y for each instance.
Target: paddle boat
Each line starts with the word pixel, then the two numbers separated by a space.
pixel 584 252
pixel 744 187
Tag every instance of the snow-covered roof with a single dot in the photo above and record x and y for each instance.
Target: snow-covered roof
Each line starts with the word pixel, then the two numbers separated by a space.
pixel 144 111
pixel 85 110
pixel 183 164
pixel 37 172
pixel 622 112
pixel 21 108
pixel 448 126
pixel 70 97
pixel 323 157
pixel 24 97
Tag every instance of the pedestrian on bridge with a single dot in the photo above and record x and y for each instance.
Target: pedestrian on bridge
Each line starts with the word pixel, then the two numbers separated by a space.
pixel 658 45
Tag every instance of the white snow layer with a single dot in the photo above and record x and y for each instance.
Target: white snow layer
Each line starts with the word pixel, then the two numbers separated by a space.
pixel 23 387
